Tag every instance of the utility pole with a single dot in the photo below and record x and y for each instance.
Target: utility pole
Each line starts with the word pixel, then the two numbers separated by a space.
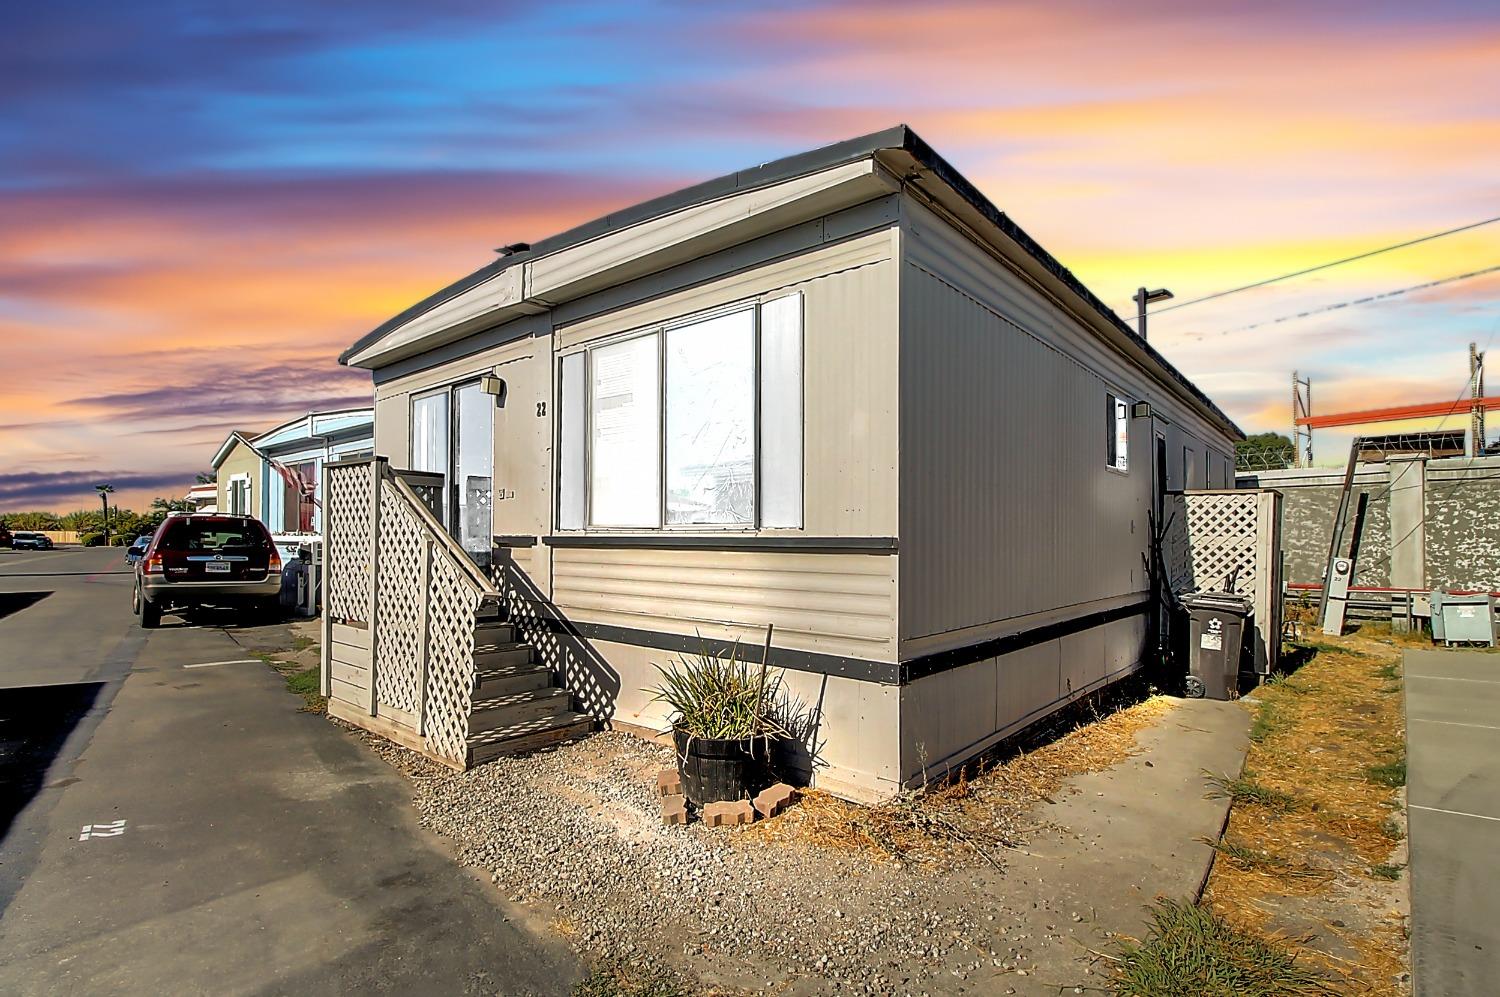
pixel 1301 409
pixel 104 491
pixel 1476 393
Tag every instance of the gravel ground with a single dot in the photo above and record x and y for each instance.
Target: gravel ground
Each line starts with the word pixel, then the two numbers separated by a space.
pixel 576 834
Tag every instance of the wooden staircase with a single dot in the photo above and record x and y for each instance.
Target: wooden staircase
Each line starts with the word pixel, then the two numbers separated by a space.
pixel 517 706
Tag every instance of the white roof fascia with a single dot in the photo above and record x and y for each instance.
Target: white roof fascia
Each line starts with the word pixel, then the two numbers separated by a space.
pixel 533 286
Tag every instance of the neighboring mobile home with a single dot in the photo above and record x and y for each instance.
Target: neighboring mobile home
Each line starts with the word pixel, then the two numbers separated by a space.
pixel 840 393
pixel 288 503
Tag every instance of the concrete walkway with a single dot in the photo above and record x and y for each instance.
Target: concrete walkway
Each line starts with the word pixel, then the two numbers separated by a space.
pixel 1453 811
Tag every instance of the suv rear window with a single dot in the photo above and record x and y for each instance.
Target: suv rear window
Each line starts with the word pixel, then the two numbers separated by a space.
pixel 213 534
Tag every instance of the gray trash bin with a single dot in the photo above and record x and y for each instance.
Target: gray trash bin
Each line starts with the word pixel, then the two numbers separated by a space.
pixel 1216 632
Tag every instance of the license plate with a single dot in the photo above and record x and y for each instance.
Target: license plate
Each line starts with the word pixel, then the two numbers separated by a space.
pixel 216 568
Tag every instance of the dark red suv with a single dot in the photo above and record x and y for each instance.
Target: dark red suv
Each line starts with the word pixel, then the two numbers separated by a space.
pixel 207 558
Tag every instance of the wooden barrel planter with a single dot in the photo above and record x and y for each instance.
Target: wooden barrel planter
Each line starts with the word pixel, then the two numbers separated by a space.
pixel 715 770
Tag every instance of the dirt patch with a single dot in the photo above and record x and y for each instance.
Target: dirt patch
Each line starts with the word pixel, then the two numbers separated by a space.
pixel 971 817
pixel 1314 850
pixel 913 897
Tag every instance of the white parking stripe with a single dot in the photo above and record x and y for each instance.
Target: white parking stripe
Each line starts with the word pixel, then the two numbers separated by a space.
pixel 1454 678
pixel 1452 813
pixel 1451 723
pixel 237 661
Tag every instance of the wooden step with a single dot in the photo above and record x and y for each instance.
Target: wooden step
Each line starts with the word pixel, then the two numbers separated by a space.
pixel 530 736
pixel 507 680
pixel 494 632
pixel 501 653
pixel 507 711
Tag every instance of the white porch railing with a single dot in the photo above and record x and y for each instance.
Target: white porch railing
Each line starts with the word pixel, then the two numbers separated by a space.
pixel 401 600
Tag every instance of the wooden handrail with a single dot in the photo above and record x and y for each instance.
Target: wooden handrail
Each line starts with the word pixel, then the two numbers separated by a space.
pixel 444 540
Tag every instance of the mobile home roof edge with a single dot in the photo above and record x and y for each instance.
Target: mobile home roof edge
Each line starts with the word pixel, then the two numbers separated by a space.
pixel 900 137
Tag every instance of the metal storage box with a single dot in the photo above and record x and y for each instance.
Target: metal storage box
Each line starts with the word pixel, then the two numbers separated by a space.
pixel 1463 619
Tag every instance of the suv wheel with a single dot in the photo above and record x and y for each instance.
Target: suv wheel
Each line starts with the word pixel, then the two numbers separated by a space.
pixel 149 612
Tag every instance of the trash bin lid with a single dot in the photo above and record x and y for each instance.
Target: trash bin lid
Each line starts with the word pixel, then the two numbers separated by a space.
pixel 1226 601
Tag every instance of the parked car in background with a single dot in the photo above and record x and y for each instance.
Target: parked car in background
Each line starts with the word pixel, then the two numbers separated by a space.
pixel 218 559
pixel 137 548
pixel 5 538
pixel 31 540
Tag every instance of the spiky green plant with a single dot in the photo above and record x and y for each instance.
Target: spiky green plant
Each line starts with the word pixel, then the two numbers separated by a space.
pixel 714 696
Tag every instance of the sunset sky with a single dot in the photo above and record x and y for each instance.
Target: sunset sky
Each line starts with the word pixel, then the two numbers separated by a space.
pixel 201 204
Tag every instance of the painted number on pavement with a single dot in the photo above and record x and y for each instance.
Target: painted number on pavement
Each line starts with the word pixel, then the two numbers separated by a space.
pixel 112 829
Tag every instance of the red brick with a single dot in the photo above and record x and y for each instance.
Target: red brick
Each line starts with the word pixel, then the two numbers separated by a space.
pixel 674 810
pixel 775 799
pixel 728 814
pixel 668 783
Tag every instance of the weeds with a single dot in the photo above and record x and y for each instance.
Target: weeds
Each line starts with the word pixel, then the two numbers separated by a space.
pixel 1191 951
pixel 1385 870
pixel 1390 671
pixel 1261 861
pixel 1267 722
pixel 1246 790
pixel 622 980
pixel 1391 774
pixel 1392 829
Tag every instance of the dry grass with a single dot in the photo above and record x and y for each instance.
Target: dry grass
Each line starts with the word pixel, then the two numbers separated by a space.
pixel 971 815
pixel 1327 746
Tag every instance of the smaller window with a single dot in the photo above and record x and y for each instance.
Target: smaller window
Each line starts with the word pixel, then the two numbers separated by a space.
pixel 1116 433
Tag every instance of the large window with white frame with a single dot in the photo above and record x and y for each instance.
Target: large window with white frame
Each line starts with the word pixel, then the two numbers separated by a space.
pixel 691 424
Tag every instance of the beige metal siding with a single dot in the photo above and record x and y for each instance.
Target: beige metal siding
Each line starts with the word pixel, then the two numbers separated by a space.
pixel 850 723
pixel 953 715
pixel 840 604
pixel 1007 507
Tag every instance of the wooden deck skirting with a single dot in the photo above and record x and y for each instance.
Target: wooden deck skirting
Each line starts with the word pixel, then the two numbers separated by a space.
pixel 389 730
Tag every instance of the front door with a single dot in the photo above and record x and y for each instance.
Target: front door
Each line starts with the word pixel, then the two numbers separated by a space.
pixel 453 434
pixel 472 474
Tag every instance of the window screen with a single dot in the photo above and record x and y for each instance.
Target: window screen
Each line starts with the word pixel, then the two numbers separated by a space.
pixel 625 459
pixel 781 412
pixel 573 415
pixel 710 437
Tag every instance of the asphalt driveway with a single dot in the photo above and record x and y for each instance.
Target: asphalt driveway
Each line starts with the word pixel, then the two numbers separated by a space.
pixel 178 825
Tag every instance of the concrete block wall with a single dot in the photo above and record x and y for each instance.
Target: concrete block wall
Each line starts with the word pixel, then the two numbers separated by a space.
pixel 1458 527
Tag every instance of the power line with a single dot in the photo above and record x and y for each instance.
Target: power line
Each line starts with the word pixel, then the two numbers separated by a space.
pixel 1359 301
pixel 1326 266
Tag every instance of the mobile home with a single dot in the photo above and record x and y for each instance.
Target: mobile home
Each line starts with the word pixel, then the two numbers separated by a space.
pixel 840 393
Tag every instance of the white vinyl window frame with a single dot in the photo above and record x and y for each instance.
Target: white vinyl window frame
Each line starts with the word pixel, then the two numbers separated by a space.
pixel 1117 432
pixel 237 505
pixel 569 505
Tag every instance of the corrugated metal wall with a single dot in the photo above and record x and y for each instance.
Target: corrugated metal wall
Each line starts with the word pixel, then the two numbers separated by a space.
pixel 1008 507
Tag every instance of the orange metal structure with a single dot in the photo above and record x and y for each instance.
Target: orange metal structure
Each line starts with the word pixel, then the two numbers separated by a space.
pixel 1424 411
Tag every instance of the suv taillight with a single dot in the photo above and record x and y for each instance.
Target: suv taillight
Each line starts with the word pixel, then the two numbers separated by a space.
pixel 275 565
pixel 152 565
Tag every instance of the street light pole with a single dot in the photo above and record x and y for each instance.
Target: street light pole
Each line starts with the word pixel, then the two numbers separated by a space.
pixel 1143 298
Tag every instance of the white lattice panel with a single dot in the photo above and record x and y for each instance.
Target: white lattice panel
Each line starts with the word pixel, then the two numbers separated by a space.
pixel 398 613
pixel 1212 536
pixel 347 558
pixel 453 605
